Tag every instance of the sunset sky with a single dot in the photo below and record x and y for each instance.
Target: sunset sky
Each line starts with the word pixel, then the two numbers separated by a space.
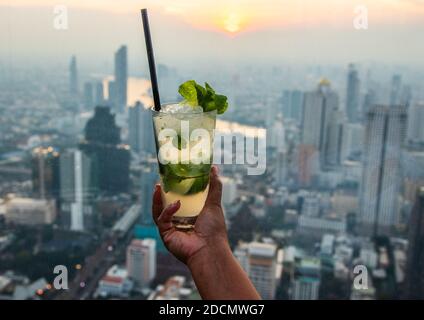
pixel 292 29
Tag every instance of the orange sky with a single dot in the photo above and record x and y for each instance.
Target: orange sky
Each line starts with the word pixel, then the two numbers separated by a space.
pixel 233 16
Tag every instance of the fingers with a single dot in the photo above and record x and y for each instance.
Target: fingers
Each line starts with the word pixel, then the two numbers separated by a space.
pixel 215 188
pixel 164 221
pixel 157 205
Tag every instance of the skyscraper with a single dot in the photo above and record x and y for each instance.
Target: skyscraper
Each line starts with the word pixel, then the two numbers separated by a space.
pixel 414 282
pixel 333 144
pixel 141 136
pixel 385 134
pixel 149 177
pixel 259 260
pixel 415 123
pixel 292 104
pixel 88 95
pixel 73 78
pixel 141 261
pixel 103 144
pixel 318 106
pixel 121 78
pixel 78 187
pixel 45 172
pixel 98 94
pixel 352 94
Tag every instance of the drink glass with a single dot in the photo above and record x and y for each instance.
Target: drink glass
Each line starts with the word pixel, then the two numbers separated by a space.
pixel 184 144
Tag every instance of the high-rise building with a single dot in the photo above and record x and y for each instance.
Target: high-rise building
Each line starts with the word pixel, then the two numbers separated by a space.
pixel 334 141
pixel 318 106
pixel 88 95
pixel 415 123
pixel 149 177
pixel 385 134
pixel 103 144
pixel 77 188
pixel 141 138
pixel 414 282
pixel 370 99
pixel 229 190
pixel 121 78
pixel 352 140
pixel 352 95
pixel 306 280
pixel 73 78
pixel 292 104
pixel 259 260
pixel 141 261
pixel 98 94
pixel 308 163
pixel 45 172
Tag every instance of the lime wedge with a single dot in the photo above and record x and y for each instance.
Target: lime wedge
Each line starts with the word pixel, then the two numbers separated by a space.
pixel 181 187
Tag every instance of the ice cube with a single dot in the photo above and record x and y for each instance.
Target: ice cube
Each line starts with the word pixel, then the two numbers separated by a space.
pixel 181 108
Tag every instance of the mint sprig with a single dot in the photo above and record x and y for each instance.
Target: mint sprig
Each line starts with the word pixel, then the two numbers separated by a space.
pixel 196 95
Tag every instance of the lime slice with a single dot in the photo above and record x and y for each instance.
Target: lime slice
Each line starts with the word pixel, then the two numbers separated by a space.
pixel 181 187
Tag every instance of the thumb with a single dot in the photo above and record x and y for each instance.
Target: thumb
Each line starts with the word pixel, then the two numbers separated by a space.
pixel 215 189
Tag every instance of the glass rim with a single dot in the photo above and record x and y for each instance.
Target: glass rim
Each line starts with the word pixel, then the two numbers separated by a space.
pixel 152 109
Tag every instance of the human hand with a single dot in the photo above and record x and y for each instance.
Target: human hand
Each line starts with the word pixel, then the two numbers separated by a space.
pixel 209 231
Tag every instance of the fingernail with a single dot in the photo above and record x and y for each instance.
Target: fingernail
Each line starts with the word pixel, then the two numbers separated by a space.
pixel 215 170
pixel 175 204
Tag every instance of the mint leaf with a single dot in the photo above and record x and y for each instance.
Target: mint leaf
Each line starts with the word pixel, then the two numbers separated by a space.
pixel 221 103
pixel 189 92
pixel 196 95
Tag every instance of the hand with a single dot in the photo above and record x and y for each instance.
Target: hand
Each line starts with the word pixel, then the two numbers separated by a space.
pixel 209 230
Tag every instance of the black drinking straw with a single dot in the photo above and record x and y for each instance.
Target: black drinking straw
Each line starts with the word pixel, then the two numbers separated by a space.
pixel 151 59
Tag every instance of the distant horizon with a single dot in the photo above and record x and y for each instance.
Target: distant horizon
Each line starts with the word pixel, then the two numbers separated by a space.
pixel 96 30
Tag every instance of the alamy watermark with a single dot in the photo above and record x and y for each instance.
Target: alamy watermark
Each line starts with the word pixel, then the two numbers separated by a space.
pixel 197 147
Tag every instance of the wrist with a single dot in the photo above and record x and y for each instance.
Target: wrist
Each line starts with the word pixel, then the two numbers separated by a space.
pixel 217 248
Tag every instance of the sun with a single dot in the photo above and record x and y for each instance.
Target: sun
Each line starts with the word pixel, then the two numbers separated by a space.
pixel 232 23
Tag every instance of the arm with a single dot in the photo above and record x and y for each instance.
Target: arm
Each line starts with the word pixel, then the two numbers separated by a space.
pixel 218 275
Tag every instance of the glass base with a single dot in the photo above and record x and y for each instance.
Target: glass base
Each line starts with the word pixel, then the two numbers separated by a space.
pixel 184 223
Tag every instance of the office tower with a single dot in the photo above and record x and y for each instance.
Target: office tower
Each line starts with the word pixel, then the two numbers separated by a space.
pixel 111 85
pixel 73 78
pixel 149 177
pixel 121 78
pixel 141 136
pixel 281 169
pixel 318 107
pixel 415 123
pixel 103 144
pixel 414 282
pixel 370 99
pixel 27 211
pixel 333 146
pixel 141 261
pixel 385 134
pixel 276 135
pixel 306 280
pixel 352 95
pixel 307 164
pixel 292 104
pixel 77 189
pixel 395 89
pixel 310 206
pixel 45 172
pixel 98 94
pixel 352 140
pixel 88 95
pixel 259 260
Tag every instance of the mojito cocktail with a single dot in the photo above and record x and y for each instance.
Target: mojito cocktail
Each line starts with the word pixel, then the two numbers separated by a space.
pixel 184 141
